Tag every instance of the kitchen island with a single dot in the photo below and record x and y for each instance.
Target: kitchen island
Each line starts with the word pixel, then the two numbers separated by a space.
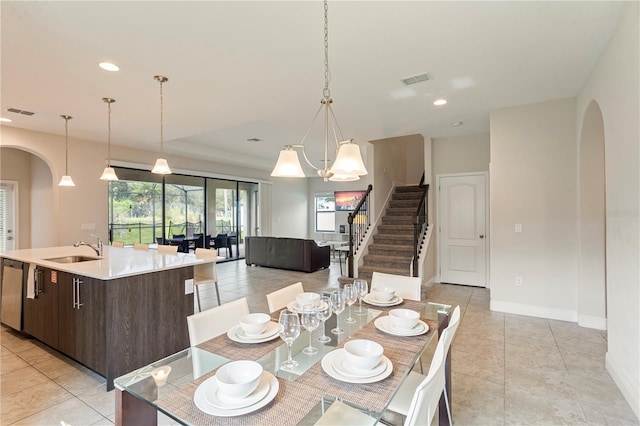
pixel 112 313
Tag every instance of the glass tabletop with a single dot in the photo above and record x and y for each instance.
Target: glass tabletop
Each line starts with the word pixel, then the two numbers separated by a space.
pixel 164 376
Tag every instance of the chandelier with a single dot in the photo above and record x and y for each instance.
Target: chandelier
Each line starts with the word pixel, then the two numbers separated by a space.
pixel 348 165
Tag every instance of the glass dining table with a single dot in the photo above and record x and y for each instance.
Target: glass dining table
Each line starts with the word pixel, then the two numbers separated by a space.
pixel 304 394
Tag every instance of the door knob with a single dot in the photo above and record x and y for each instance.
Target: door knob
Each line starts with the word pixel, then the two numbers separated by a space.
pixel 9 238
pixel 481 236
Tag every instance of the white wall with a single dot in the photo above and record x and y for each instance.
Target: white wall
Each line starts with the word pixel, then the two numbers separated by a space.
pixel 290 208
pixel 461 154
pixel 533 183
pixel 614 84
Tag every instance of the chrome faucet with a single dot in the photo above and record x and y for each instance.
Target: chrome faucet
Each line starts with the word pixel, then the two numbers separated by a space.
pixel 97 248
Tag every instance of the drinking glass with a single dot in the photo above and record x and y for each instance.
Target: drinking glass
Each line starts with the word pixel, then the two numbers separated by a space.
pixel 289 332
pixel 350 297
pixel 324 313
pixel 310 321
pixel 362 288
pixel 337 305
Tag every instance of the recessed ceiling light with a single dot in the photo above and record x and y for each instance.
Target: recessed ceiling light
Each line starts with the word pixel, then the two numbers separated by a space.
pixel 457 123
pixel 5 120
pixel 108 66
pixel 440 102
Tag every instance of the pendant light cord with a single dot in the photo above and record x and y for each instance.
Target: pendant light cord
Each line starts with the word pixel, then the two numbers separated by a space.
pixel 326 92
pixel 161 120
pixel 66 146
pixel 109 136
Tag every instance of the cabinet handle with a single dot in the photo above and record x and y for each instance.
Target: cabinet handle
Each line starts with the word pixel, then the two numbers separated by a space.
pixel 74 293
pixel 78 281
pixel 36 282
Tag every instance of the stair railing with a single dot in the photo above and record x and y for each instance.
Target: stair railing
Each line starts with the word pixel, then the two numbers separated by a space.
pixel 359 221
pixel 420 223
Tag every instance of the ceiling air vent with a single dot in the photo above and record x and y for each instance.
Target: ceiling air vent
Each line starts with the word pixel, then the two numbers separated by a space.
pixel 20 111
pixel 254 140
pixel 416 79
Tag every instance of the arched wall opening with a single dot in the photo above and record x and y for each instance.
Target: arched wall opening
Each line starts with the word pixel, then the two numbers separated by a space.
pixel 592 311
pixel 37 201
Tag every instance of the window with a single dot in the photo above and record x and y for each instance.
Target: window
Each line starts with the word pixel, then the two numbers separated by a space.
pixel 325 213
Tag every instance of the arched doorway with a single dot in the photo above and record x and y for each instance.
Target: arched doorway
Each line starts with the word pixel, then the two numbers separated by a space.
pixel 35 222
pixel 592 311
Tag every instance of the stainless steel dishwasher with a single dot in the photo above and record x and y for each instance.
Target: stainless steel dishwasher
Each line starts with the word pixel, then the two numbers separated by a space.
pixel 13 276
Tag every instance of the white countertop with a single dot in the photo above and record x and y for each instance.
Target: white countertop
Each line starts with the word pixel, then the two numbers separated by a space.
pixel 116 262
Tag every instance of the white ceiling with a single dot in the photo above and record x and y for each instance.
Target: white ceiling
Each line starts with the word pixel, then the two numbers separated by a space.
pixel 245 69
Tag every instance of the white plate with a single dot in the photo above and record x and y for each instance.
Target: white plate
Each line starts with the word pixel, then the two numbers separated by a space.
pixel 396 300
pixel 384 324
pixel 271 330
pixel 327 366
pixel 201 401
pixel 295 307
pixel 341 365
pixel 233 335
pixel 214 397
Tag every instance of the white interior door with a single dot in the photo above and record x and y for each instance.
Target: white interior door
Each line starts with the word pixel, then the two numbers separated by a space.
pixel 463 229
pixel 8 229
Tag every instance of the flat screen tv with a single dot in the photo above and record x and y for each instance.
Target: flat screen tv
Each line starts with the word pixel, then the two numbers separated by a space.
pixel 347 201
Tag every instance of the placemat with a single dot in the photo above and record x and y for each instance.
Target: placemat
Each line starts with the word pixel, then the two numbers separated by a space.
pixel 401 351
pixel 293 401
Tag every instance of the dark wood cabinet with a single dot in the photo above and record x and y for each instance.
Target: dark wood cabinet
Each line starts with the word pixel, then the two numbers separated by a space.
pixel 41 313
pixel 81 328
pixel 112 326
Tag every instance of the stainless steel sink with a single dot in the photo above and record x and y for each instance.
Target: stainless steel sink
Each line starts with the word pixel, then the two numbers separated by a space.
pixel 72 259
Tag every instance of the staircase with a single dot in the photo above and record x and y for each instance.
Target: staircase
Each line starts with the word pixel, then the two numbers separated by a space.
pixel 392 247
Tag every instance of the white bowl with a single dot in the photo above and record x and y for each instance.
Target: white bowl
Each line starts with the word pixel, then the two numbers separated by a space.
pixel 404 318
pixel 254 324
pixel 383 294
pixel 363 354
pixel 237 379
pixel 307 299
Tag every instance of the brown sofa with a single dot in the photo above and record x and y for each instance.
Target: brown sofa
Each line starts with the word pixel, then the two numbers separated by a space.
pixel 295 254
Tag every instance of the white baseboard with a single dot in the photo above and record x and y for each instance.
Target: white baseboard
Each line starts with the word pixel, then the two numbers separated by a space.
pixel 596 323
pixel 533 311
pixel 629 391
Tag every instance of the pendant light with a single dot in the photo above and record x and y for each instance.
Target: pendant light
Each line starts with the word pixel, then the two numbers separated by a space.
pixel 66 179
pixel 109 173
pixel 161 167
pixel 348 165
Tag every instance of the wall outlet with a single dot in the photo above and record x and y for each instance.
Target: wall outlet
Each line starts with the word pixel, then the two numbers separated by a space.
pixel 518 228
pixel 519 282
pixel 88 227
pixel 188 286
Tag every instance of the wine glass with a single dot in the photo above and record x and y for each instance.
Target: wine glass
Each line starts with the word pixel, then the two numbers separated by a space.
pixel 310 321
pixel 289 332
pixel 362 288
pixel 350 297
pixel 337 305
pixel 324 313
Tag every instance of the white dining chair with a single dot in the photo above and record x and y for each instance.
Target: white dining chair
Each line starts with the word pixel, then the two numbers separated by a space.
pixel 405 287
pixel 205 273
pixel 279 298
pixel 424 403
pixel 117 243
pixel 165 249
pixel 140 246
pixel 213 322
pixel 401 402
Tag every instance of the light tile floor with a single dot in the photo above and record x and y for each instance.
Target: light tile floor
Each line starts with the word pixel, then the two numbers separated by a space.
pixel 507 369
